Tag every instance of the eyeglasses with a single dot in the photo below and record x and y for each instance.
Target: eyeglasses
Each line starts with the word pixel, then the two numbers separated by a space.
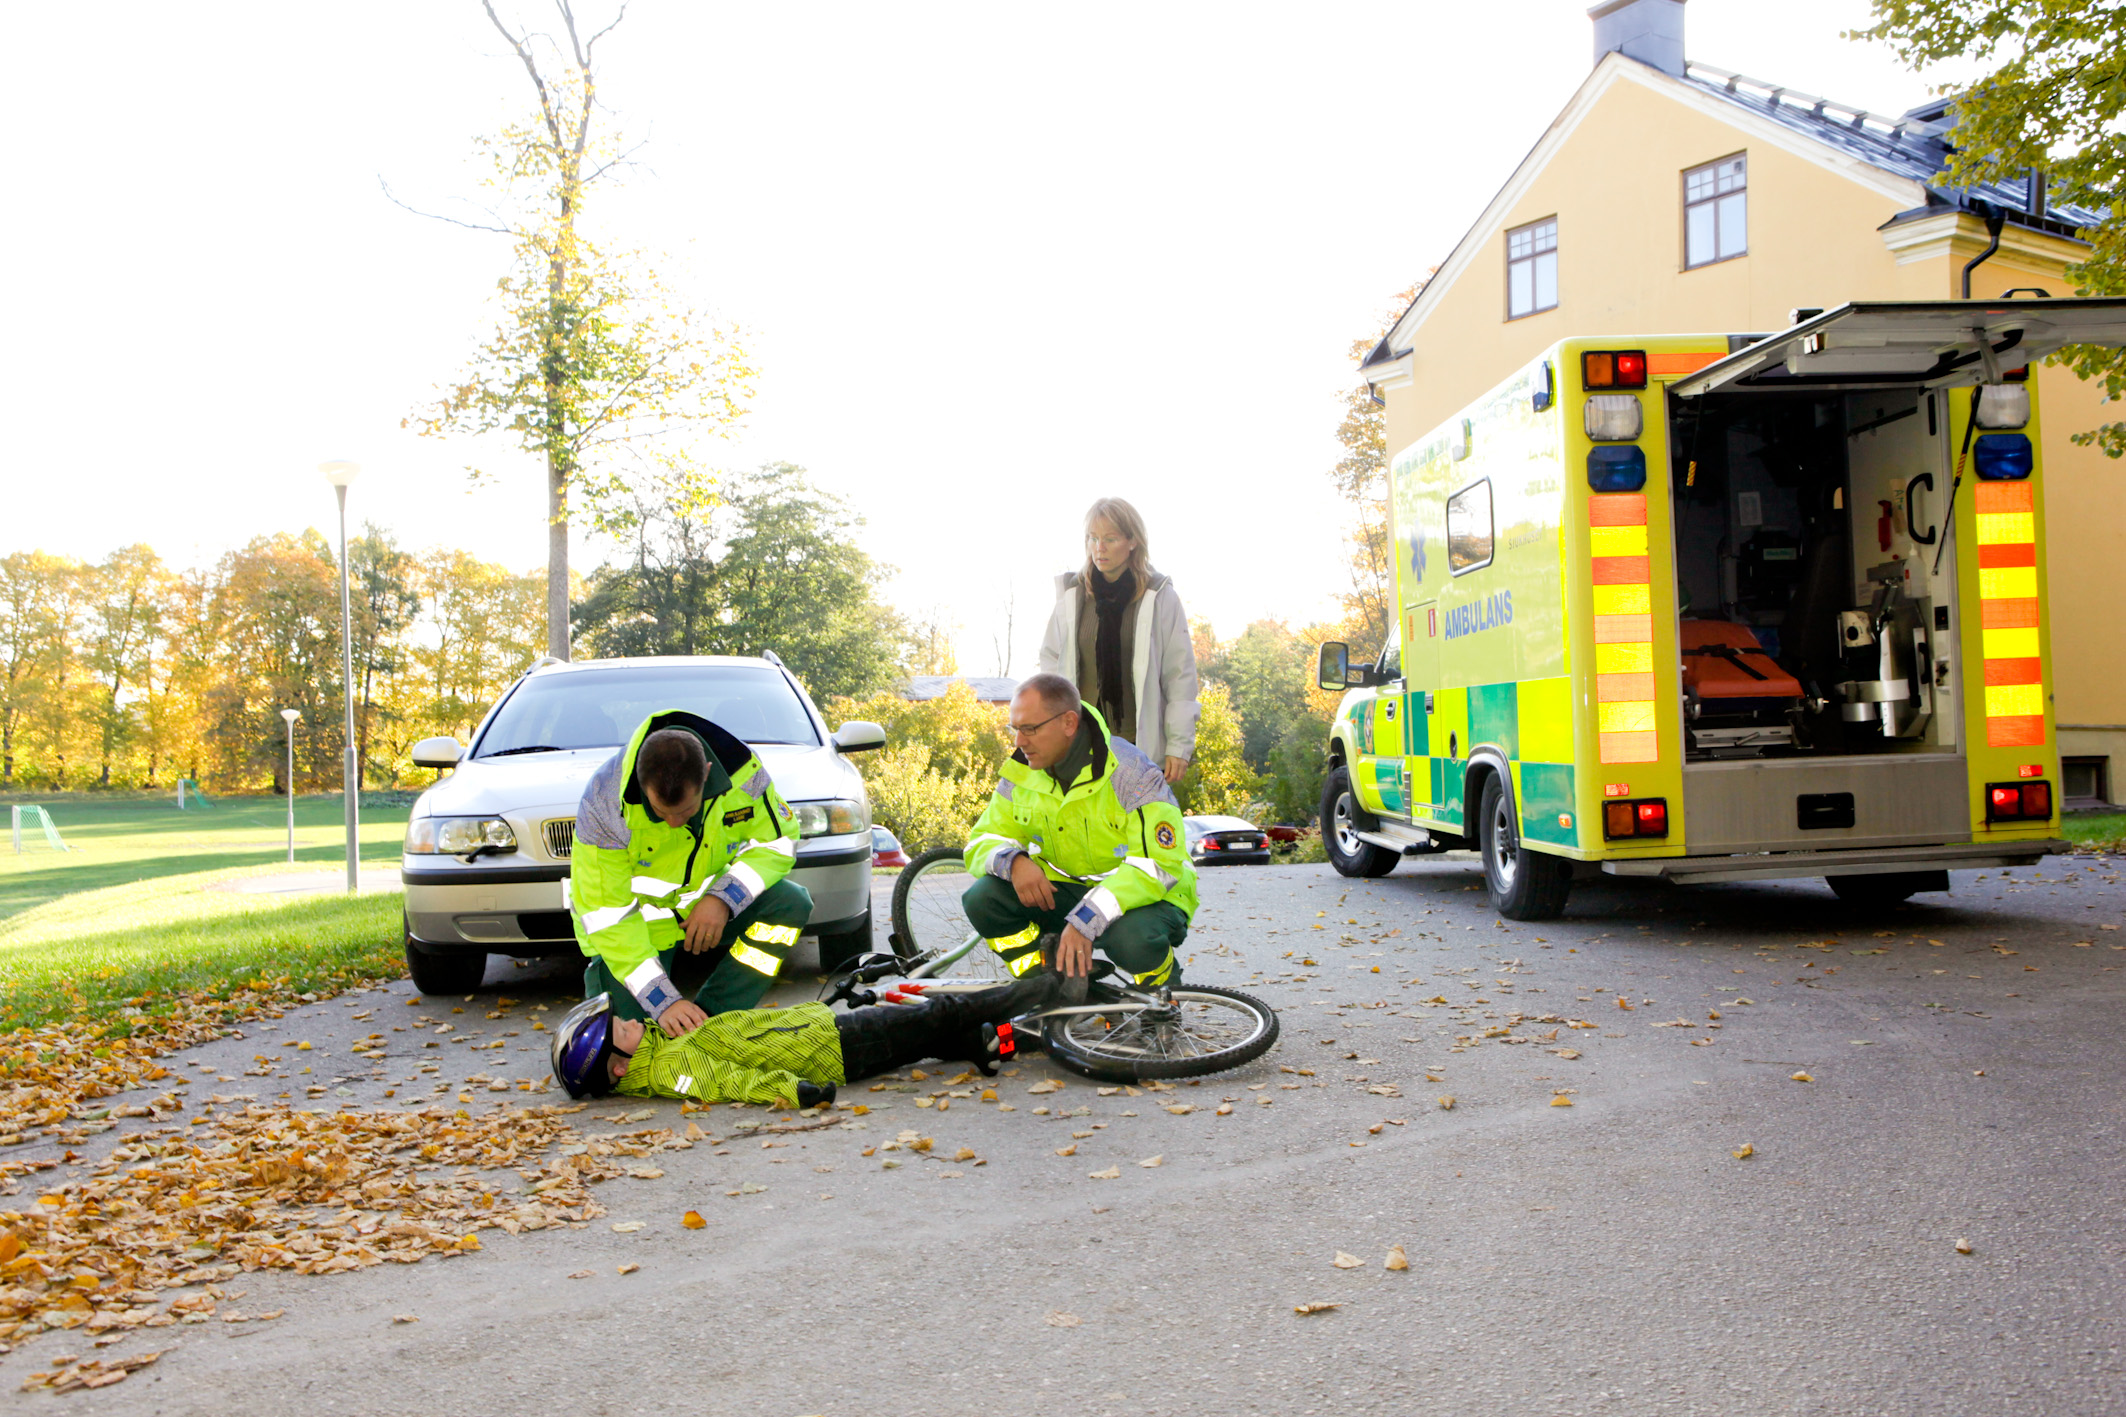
pixel 1027 730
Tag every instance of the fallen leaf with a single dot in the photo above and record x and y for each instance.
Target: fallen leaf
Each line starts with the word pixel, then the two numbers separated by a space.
pixel 1182 1109
pixel 1045 1085
pixel 1963 1247
pixel 1058 1319
pixel 1314 1308
pixel 692 1220
pixel 1071 1150
pixel 1347 1261
pixel 626 1268
pixel 1561 1101
pixel 644 1173
pixel 1446 1104
pixel 965 1153
pixel 1112 1173
pixel 1800 1077
pixel 1396 1260
pixel 1566 1053
pixel 627 1227
pixel 405 1318
pixel 1746 1152
pixel 1225 1109
pixel 581 1274
pixel 1153 1161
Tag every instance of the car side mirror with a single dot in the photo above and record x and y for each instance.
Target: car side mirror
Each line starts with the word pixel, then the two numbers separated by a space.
pixel 437 753
pixel 1334 669
pixel 859 736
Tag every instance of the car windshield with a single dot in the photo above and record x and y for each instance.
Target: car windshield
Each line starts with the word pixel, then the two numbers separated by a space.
pixel 602 708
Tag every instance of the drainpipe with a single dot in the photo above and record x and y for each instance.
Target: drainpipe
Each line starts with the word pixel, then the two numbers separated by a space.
pixel 1995 219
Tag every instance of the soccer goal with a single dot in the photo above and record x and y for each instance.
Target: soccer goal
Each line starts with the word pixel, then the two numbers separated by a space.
pixel 34 817
pixel 190 794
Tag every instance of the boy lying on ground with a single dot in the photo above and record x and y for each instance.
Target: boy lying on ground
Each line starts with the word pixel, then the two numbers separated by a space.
pixel 788 1057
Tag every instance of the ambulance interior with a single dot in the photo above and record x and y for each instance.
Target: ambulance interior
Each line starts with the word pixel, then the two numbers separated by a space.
pixel 1813 618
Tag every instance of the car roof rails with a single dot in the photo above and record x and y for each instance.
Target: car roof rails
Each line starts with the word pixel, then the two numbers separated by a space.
pixel 542 661
pixel 773 658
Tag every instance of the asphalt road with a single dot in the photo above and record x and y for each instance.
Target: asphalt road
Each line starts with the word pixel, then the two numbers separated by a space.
pixel 1611 1256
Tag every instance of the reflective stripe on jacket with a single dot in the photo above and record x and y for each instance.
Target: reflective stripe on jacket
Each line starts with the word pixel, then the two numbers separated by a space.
pixel 1117 828
pixel 632 878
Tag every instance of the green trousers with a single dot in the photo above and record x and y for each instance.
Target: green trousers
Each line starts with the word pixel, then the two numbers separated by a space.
pixel 747 959
pixel 1142 942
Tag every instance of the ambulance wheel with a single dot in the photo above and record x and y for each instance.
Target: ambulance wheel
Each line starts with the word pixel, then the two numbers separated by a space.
pixel 1523 885
pixel 1339 826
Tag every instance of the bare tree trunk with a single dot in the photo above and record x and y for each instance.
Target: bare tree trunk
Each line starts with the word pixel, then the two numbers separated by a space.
pixel 556 559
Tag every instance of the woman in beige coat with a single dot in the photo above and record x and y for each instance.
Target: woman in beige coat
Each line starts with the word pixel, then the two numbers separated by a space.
pixel 1120 634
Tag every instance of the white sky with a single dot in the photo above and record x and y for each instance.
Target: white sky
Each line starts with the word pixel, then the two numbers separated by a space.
pixel 993 259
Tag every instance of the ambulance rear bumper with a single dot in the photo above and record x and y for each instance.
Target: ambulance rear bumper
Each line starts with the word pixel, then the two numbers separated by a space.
pixel 1779 865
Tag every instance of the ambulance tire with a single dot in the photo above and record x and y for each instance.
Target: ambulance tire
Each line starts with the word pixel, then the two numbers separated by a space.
pixel 1522 884
pixel 1339 811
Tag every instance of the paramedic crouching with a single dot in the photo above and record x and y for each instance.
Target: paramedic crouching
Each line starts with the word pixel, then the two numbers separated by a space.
pixel 1081 848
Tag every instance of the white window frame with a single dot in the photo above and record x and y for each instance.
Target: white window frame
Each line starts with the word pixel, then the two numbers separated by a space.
pixel 1716 204
pixel 1532 257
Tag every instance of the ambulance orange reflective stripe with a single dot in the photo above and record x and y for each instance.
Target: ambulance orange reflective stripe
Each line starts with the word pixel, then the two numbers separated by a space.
pixel 1623 627
pixel 2007 589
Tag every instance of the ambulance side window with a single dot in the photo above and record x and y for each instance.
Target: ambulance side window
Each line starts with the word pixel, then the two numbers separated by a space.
pixel 1469 528
pixel 1390 666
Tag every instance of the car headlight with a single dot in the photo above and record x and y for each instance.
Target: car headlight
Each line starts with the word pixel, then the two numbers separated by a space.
pixel 831 818
pixel 458 836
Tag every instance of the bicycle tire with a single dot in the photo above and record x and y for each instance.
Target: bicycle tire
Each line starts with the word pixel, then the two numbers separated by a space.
pixel 927 915
pixel 1134 1063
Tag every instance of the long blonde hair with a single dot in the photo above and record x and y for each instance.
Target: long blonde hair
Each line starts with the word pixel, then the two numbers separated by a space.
pixel 1124 519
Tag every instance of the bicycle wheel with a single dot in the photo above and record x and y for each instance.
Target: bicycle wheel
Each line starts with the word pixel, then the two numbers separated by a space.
pixel 1203 1031
pixel 928 919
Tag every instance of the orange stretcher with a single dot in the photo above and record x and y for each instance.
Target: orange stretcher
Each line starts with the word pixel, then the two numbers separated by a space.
pixel 1722 660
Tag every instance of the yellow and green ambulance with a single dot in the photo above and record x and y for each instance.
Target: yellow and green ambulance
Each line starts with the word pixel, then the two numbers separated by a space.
pixel 1722 608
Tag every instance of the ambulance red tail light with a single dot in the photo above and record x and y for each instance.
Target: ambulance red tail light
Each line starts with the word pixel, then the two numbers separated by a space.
pixel 2018 801
pixel 1647 817
pixel 1613 369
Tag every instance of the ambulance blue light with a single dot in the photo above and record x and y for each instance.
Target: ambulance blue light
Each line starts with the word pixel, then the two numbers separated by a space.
pixel 2003 457
pixel 1614 469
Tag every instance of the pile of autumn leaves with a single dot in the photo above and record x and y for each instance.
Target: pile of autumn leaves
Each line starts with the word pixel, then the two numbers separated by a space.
pixel 267 1188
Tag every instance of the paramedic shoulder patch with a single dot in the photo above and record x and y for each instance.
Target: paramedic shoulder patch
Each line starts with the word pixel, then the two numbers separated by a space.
pixel 1165 835
pixel 738 814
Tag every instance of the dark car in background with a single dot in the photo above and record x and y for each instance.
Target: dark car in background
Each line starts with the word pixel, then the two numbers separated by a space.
pixel 1214 841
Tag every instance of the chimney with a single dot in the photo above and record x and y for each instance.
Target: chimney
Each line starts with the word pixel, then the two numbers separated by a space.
pixel 1650 31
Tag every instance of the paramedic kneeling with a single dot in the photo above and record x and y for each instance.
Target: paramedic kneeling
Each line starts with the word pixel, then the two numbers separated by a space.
pixel 1082 842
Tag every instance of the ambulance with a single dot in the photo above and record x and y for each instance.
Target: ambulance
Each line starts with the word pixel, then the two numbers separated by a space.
pixel 1722 608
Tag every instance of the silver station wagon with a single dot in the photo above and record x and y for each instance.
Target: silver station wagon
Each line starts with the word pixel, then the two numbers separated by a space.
pixel 487 848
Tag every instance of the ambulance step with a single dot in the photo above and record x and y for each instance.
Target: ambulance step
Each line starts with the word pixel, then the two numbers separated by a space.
pixel 1772 866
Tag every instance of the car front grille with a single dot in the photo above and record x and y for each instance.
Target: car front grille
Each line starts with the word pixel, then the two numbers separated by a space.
pixel 560 836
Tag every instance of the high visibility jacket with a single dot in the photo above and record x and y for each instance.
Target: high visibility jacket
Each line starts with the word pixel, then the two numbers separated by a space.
pixel 632 879
pixel 1118 827
pixel 747 1055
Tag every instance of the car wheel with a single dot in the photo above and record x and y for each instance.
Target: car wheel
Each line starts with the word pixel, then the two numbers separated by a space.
pixel 839 948
pixel 445 971
pixel 1339 824
pixel 1522 884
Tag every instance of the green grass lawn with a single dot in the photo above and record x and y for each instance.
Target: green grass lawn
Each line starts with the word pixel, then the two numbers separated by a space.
pixel 129 912
pixel 2106 830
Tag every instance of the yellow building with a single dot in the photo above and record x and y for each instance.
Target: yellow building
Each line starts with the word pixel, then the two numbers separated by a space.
pixel 1673 197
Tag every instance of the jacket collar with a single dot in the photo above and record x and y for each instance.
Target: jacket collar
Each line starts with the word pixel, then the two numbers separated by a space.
pixel 1090 761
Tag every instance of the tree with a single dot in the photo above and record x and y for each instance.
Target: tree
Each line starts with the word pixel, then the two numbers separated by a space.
pixel 594 362
pixel 384 605
pixel 1219 781
pixel 2054 102
pixel 775 566
pixel 27 632
pixel 125 621
pixel 929 785
pixel 1361 479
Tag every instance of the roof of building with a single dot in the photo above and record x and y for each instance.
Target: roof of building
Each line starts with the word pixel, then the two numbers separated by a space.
pixel 988 689
pixel 1913 147
pixel 1915 144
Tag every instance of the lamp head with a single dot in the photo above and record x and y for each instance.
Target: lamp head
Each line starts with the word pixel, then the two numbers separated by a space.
pixel 339 474
pixel 290 716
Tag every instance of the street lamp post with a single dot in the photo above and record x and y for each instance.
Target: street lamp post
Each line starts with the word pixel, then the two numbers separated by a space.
pixel 290 717
pixel 339 474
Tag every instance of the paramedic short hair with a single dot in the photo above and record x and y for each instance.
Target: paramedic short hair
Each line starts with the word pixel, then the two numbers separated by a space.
pixel 1054 690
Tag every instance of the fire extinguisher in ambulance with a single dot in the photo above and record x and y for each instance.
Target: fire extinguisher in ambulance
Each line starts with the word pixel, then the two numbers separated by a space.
pixel 1883 524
